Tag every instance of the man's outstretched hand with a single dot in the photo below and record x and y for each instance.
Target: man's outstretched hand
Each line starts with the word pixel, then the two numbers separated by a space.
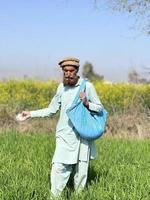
pixel 26 114
pixel 23 116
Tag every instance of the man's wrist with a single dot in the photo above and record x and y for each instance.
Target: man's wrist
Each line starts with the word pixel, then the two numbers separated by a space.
pixel 86 104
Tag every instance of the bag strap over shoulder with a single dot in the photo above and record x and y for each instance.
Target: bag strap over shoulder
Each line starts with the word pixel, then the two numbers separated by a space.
pixel 81 89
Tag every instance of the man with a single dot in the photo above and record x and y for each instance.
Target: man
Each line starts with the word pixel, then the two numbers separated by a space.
pixel 71 150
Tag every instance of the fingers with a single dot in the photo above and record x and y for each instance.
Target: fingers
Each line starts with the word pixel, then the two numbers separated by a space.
pixel 26 114
pixel 84 99
pixel 82 95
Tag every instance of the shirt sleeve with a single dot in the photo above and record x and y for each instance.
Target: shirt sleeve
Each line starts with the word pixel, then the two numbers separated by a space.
pixel 52 108
pixel 94 101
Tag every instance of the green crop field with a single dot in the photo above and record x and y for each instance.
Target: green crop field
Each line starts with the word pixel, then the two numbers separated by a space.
pixel 120 172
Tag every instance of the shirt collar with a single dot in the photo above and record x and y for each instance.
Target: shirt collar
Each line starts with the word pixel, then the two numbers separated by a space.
pixel 79 82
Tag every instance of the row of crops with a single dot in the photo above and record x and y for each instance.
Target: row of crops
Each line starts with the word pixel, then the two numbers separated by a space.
pixel 31 94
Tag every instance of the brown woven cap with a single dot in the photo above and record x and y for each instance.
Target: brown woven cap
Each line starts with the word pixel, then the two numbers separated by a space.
pixel 69 61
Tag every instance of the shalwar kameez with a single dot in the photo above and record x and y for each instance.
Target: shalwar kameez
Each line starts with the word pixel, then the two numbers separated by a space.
pixel 71 150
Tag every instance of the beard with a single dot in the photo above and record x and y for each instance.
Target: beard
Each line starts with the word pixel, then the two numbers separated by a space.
pixel 70 81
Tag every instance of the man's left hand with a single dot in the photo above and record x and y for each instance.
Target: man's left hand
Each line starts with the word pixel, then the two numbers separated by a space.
pixel 84 99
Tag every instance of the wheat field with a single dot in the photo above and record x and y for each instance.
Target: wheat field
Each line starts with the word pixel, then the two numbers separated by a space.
pixel 120 172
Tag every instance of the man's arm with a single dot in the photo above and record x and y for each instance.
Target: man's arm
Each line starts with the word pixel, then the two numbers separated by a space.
pixel 46 112
pixel 90 99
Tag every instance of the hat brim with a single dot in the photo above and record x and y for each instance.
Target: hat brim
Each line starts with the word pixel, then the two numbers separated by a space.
pixel 69 63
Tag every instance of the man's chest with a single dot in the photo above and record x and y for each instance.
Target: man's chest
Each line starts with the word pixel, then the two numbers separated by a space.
pixel 68 96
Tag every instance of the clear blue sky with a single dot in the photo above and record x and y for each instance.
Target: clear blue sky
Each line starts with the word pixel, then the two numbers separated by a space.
pixel 35 35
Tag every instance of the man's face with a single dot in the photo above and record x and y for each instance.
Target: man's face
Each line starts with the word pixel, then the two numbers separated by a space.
pixel 69 71
pixel 70 75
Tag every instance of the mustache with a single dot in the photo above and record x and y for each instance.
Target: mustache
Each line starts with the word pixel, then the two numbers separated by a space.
pixel 69 77
pixel 70 80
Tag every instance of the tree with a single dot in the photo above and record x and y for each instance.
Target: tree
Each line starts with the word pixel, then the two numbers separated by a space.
pixel 135 77
pixel 89 73
pixel 139 9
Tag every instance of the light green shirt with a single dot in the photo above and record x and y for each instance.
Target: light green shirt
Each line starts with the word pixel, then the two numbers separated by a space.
pixel 70 147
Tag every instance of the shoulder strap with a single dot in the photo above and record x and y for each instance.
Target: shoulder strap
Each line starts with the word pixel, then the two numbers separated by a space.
pixel 81 89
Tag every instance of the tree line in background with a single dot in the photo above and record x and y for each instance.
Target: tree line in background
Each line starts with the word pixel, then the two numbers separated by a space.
pixel 139 11
pixel 133 76
pixel 88 72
